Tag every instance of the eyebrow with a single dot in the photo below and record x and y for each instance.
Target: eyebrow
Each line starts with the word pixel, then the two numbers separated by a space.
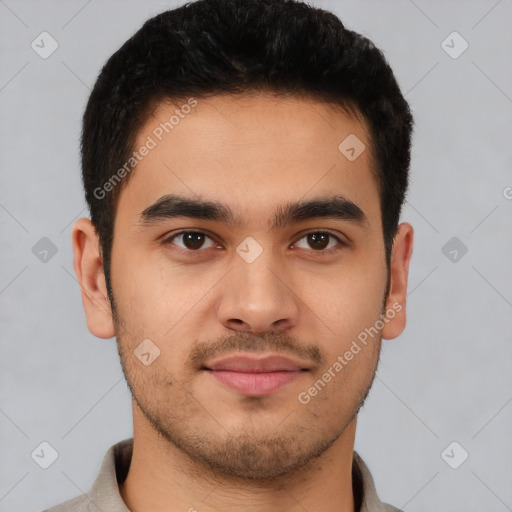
pixel 171 206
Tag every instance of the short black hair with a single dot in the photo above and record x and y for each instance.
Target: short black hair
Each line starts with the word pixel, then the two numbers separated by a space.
pixel 212 47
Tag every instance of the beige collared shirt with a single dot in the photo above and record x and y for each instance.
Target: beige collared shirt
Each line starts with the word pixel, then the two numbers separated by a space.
pixel 104 495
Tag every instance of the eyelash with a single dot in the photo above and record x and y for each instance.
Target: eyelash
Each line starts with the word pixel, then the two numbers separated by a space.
pixel 341 243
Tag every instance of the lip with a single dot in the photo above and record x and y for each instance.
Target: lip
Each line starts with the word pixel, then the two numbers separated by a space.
pixel 253 376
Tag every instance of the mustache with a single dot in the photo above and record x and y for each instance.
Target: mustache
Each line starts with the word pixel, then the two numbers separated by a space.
pixel 280 343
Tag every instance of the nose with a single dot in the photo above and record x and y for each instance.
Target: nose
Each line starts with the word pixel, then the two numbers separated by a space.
pixel 258 297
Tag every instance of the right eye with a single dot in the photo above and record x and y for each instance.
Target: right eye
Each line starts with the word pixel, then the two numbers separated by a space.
pixel 192 241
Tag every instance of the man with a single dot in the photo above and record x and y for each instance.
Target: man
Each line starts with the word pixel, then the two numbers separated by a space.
pixel 245 163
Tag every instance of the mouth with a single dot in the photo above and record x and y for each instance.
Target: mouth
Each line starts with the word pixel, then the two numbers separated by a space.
pixel 252 376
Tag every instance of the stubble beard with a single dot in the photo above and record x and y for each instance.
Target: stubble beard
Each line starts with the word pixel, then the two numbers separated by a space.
pixel 256 456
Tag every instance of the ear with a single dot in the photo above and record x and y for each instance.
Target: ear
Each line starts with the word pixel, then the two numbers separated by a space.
pixel 88 266
pixel 399 273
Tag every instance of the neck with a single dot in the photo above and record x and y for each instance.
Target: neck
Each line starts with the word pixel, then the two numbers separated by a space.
pixel 163 478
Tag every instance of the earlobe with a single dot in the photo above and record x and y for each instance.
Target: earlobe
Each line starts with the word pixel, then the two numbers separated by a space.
pixel 88 267
pixel 399 273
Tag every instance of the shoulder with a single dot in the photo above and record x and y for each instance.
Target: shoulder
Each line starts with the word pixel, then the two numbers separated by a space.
pixel 104 493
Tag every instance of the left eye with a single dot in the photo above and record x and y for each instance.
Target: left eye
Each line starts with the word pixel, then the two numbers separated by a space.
pixel 319 241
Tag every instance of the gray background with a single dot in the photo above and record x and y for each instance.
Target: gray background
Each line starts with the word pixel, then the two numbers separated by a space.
pixel 447 378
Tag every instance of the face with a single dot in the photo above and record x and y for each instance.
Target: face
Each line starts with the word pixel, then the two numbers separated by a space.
pixel 248 254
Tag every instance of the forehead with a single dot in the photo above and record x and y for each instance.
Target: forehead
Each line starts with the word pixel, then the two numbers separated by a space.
pixel 252 153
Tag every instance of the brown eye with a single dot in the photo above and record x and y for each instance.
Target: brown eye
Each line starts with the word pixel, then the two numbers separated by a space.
pixel 318 241
pixel 191 240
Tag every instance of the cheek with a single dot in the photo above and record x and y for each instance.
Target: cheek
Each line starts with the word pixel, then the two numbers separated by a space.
pixel 348 299
pixel 146 290
pixel 160 302
pixel 351 310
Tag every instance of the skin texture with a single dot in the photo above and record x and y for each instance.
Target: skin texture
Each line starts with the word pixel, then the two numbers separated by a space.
pixel 197 443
